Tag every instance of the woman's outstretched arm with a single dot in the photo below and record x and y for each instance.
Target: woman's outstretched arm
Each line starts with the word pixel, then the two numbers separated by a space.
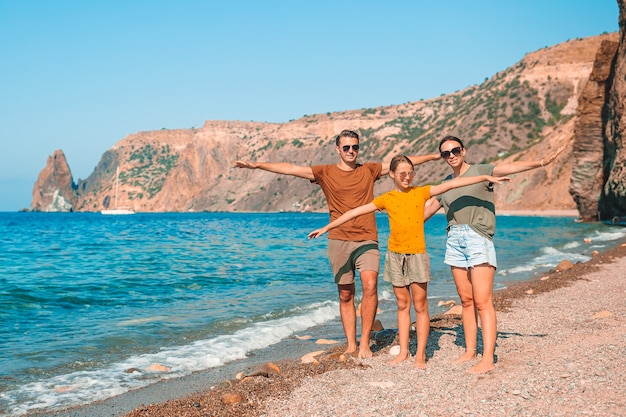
pixel 521 166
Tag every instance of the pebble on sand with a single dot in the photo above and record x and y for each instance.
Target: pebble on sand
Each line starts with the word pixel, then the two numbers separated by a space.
pixel 310 357
pixel 232 398
pixel 63 389
pixel 564 265
pixel 377 326
pixel 263 370
pixel 157 367
pixel 455 310
pixel 602 314
pixel 448 303
pixel 358 310
pixel 326 342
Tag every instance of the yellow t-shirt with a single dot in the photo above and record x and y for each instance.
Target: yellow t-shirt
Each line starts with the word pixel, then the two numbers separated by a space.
pixel 406 218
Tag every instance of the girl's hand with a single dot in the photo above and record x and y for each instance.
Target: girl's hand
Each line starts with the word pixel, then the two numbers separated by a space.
pixel 316 233
pixel 498 180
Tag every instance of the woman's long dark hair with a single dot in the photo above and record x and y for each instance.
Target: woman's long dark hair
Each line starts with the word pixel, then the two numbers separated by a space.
pixel 450 137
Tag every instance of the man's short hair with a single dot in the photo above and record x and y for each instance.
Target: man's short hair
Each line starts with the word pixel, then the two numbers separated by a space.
pixel 346 134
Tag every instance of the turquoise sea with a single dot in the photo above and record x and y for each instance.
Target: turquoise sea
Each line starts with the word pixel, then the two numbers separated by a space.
pixel 84 297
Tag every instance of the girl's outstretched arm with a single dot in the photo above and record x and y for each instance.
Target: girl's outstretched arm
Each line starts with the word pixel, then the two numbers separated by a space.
pixel 348 215
pixel 462 182
pixel 521 166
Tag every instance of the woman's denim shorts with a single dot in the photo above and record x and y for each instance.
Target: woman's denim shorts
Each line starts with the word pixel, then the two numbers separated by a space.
pixel 465 248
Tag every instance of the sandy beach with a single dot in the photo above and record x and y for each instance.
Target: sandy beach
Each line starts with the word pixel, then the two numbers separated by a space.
pixel 560 352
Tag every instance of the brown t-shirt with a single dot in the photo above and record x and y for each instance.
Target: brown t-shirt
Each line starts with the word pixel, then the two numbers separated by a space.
pixel 345 190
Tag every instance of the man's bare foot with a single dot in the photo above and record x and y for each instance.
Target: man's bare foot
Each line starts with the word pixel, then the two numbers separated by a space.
pixel 365 352
pixel 350 350
pixel 402 356
pixel 420 362
pixel 482 367
pixel 469 355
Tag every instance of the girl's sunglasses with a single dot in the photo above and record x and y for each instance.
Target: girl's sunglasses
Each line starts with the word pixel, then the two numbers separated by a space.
pixel 454 151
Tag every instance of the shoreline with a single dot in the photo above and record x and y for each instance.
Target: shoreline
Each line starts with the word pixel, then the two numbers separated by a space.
pixel 531 212
pixel 192 395
pixel 539 213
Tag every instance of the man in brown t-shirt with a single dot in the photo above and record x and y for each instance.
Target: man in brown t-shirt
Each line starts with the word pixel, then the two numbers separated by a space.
pixel 353 245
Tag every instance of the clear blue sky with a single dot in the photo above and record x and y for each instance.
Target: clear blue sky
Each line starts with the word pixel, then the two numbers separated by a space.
pixel 81 75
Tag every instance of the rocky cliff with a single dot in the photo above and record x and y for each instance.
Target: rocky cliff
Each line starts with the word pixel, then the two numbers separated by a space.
pixel 613 197
pixel 588 151
pixel 523 112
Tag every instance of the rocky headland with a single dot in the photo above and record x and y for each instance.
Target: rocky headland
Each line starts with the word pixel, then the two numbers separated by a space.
pixel 559 95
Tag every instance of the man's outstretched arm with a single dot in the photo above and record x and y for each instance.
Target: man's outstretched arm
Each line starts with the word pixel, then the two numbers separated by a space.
pixel 284 168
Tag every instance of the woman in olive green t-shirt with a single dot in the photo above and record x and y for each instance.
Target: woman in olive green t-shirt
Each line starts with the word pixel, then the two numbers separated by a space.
pixel 470 212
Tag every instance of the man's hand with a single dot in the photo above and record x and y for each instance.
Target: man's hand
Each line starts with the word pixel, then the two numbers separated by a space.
pixel 245 164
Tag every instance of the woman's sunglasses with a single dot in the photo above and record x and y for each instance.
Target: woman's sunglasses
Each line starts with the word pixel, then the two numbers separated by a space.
pixel 346 148
pixel 454 151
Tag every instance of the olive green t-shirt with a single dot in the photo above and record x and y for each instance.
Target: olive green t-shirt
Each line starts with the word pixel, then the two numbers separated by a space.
pixel 473 204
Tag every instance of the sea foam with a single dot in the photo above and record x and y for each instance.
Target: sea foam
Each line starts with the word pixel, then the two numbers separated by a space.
pixel 97 384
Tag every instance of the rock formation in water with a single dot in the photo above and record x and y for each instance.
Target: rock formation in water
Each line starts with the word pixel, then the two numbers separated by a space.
pixel 55 190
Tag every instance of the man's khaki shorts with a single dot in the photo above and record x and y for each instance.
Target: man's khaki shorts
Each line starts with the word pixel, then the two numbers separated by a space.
pixel 345 257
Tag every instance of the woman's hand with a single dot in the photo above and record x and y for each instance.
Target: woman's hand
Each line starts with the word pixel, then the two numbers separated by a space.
pixel 552 157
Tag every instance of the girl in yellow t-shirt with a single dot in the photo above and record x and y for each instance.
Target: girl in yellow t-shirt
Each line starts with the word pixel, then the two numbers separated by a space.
pixel 407 265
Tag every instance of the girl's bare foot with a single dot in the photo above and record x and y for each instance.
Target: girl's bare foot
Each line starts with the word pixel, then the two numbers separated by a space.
pixel 365 352
pixel 402 356
pixel 482 367
pixel 469 355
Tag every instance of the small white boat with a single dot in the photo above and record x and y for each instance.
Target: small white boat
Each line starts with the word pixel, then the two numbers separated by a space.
pixel 118 210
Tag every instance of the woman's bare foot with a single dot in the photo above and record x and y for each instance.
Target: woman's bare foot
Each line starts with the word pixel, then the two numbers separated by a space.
pixel 420 361
pixel 482 367
pixel 469 355
pixel 402 356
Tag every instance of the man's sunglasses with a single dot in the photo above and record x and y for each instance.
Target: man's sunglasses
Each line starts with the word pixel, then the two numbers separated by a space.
pixel 454 151
pixel 346 148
